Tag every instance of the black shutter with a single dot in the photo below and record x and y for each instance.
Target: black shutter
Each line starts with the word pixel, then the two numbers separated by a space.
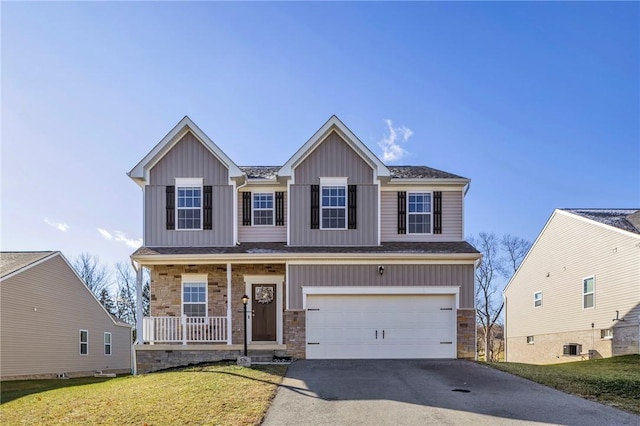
pixel 437 212
pixel 207 207
pixel 315 206
pixel 402 212
pixel 246 208
pixel 352 204
pixel 171 207
pixel 279 208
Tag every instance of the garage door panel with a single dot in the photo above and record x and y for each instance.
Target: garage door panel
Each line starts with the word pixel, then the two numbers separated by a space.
pixel 345 326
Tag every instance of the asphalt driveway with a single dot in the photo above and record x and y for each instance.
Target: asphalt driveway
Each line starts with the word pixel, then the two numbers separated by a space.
pixel 425 392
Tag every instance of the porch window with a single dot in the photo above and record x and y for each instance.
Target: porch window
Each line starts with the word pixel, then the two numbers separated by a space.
pixel 263 209
pixel 194 295
pixel 84 342
pixel 419 212
pixel 588 290
pixel 107 343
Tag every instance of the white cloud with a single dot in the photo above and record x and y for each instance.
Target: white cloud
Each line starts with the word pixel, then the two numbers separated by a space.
pixel 120 237
pixel 391 144
pixel 105 234
pixel 58 225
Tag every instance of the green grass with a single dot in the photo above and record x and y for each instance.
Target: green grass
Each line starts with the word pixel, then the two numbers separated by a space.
pixel 612 381
pixel 204 395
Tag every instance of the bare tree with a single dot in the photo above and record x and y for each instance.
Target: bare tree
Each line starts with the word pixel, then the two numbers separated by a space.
pixel 107 301
pixel 93 273
pixel 126 300
pixel 500 259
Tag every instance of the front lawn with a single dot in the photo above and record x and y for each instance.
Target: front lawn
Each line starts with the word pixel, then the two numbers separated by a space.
pixel 213 394
pixel 612 381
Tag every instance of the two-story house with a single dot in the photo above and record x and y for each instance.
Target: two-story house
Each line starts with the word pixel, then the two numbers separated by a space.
pixel 340 255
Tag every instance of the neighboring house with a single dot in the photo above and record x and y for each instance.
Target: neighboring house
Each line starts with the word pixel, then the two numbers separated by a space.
pixel 52 325
pixel 341 256
pixel 576 295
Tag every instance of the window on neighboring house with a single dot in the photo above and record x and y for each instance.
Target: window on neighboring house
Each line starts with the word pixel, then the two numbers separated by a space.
pixel 334 203
pixel 606 333
pixel 84 342
pixel 571 349
pixel 419 213
pixel 107 343
pixel 588 290
pixel 530 340
pixel 537 299
pixel 263 209
pixel 194 295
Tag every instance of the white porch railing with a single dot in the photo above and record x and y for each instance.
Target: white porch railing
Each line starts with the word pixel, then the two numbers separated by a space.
pixel 184 329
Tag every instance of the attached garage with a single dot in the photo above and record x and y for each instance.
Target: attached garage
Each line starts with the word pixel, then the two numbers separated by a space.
pixel 375 322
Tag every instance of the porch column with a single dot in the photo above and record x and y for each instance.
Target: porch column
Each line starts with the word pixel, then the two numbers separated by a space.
pixel 139 313
pixel 229 302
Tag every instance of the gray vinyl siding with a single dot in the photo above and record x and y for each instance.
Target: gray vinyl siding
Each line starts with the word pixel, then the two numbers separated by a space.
pixel 394 275
pixel 189 158
pixel 261 233
pixel 333 158
pixel 452 219
pixel 568 250
pixel 367 220
pixel 42 310
pixel 157 235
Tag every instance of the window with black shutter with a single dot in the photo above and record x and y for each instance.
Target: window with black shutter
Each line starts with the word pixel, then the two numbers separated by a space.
pixel 437 212
pixel 402 212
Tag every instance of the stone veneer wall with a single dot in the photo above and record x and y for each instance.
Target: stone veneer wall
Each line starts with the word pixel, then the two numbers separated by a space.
pixel 548 348
pixel 294 333
pixel 466 322
pixel 166 289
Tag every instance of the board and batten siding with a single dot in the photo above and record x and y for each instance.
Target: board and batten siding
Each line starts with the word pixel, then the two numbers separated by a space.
pixel 333 158
pixel 189 158
pixel 569 250
pixel 252 234
pixel 42 310
pixel 157 235
pixel 366 233
pixel 452 219
pixel 394 275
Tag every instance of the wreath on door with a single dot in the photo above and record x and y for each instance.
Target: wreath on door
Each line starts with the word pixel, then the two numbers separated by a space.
pixel 264 294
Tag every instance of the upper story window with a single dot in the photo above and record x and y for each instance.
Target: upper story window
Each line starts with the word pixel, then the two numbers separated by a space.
pixel 263 208
pixel 189 203
pixel 107 343
pixel 419 212
pixel 194 295
pixel 333 194
pixel 588 292
pixel 84 342
pixel 537 299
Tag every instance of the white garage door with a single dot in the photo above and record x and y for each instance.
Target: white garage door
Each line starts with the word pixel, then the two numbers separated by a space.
pixel 380 326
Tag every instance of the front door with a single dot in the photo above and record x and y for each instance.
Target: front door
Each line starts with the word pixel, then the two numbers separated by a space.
pixel 263 325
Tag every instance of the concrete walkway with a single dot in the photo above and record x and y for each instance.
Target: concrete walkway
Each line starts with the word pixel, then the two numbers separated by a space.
pixel 425 392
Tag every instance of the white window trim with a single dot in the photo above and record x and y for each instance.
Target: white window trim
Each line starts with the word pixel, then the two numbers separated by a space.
pixel 535 300
pixel 81 342
pixel 195 279
pixel 188 183
pixel 110 343
pixel 592 292
pixel 273 208
pixel 430 212
pixel 335 181
pixel 530 341
pixel 608 334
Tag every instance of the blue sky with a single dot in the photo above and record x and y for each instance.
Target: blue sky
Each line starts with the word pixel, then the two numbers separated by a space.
pixel 537 103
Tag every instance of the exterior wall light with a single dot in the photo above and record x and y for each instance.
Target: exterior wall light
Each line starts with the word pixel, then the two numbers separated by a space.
pixel 381 269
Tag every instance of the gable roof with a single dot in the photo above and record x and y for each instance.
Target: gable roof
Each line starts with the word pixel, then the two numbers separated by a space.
pixel 618 218
pixel 14 261
pixel 334 124
pixel 140 173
